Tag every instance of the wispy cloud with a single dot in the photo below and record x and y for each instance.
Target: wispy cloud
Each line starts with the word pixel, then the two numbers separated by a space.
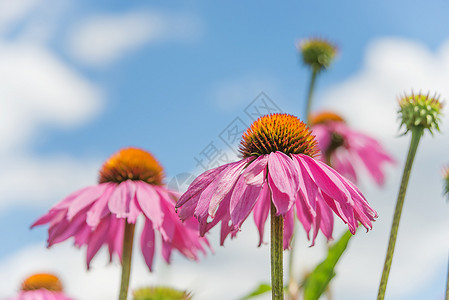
pixel 103 39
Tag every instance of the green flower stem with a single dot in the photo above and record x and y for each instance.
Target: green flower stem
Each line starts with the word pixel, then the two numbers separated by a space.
pixel 126 259
pixel 292 285
pixel 277 237
pixel 310 94
pixel 417 132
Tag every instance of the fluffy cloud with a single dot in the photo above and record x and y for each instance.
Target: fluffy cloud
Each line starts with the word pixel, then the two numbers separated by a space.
pixel 103 39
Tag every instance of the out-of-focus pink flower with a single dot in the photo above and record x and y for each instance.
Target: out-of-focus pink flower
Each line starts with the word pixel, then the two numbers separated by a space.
pixel 277 167
pixel 345 149
pixel 130 185
pixel 41 286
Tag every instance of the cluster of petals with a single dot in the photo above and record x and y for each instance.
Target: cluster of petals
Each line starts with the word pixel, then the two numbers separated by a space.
pixel 292 182
pixel 357 149
pixel 96 216
pixel 40 294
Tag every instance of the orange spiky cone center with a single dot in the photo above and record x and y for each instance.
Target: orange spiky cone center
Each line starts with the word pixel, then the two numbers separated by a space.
pixel 42 281
pixel 324 117
pixel 278 132
pixel 132 164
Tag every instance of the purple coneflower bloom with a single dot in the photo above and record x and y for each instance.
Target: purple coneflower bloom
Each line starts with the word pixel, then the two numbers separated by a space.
pixel 130 185
pixel 41 286
pixel 277 167
pixel 344 148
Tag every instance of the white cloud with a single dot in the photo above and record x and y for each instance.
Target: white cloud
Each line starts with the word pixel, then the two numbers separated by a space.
pixel 39 89
pixel 103 39
pixel 368 100
pixel 13 11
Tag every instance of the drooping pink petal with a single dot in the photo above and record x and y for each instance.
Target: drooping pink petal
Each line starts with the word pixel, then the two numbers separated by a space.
pixel 283 180
pixel 96 240
pixel 150 203
pixel 256 172
pixel 261 210
pixel 121 197
pixel 147 243
pixel 198 185
pixel 100 208
pixel 289 226
pixel 327 218
pixel 243 199
pixel 84 199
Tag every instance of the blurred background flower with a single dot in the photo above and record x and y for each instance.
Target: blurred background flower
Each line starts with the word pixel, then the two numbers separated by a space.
pixel 79 80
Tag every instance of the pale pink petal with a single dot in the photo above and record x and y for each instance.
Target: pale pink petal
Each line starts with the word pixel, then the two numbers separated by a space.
pixel 84 199
pixel 121 197
pixel 150 203
pixel 198 185
pixel 289 226
pixel 261 210
pixel 256 172
pixel 147 243
pixel 100 208
pixel 283 180
pixel 323 136
pixel 214 194
pixel 243 199
pixel 96 240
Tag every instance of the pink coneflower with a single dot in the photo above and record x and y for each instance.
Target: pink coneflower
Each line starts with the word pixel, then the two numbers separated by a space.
pixel 41 286
pixel 277 167
pixel 130 185
pixel 344 148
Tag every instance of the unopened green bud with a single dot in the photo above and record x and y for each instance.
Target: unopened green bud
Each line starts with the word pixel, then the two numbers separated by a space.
pixel 317 53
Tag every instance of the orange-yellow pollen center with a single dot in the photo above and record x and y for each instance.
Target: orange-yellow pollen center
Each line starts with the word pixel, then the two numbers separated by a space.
pixel 324 117
pixel 278 132
pixel 42 281
pixel 132 164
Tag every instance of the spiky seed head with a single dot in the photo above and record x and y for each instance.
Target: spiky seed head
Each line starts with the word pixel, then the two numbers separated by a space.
pixel 160 293
pixel 278 132
pixel 42 281
pixel 132 164
pixel 317 53
pixel 420 111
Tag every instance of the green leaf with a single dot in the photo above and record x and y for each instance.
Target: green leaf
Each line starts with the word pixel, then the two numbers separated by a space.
pixel 261 289
pixel 317 281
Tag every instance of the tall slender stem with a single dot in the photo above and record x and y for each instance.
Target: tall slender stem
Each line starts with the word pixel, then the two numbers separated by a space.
pixel 277 237
pixel 126 259
pixel 416 136
pixel 310 94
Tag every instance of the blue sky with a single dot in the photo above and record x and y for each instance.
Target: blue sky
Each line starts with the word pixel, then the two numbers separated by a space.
pixel 80 80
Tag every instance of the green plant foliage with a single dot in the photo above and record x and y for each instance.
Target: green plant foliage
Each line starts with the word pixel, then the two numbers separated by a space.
pixel 261 289
pixel 317 281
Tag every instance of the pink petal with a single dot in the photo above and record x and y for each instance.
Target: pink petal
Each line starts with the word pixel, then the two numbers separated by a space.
pixel 121 197
pixel 166 251
pixel 256 172
pixel 226 182
pixel 243 199
pixel 199 184
pixel 283 180
pixel 96 240
pixel 289 226
pixel 150 203
pixel 261 210
pixel 84 199
pixel 100 208
pixel 147 243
